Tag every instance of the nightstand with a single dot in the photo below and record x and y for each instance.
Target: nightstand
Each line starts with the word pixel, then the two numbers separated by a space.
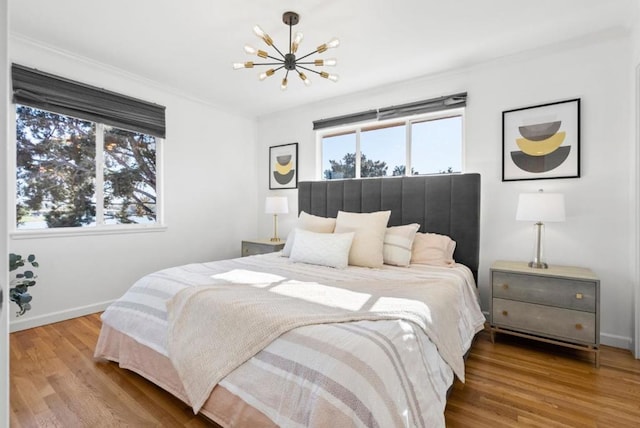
pixel 251 248
pixel 558 305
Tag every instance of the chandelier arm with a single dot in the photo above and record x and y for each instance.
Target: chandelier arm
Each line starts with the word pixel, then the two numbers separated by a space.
pixel 308 69
pixel 274 58
pixel 276 48
pixel 309 54
pixel 281 63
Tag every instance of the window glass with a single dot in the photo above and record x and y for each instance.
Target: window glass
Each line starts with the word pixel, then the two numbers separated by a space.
pixel 339 156
pixel 129 177
pixel 382 151
pixel 436 146
pixel 434 142
pixel 56 170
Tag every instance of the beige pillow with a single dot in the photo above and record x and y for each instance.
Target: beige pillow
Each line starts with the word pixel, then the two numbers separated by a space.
pixel 368 241
pixel 398 241
pixel 433 249
pixel 312 223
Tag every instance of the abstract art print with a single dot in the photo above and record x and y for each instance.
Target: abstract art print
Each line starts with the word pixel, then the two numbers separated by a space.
pixel 541 142
pixel 283 166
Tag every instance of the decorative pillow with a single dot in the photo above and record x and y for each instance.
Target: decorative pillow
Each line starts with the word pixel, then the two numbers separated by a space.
pixel 325 249
pixel 368 241
pixel 433 249
pixel 309 222
pixel 398 241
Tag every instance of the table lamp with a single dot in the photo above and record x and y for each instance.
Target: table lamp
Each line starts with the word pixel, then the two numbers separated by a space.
pixel 540 207
pixel 276 205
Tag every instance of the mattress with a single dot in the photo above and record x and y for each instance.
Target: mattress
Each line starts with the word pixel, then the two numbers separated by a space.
pixel 362 373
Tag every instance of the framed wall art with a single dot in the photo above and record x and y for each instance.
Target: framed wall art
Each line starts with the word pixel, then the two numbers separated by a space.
pixel 283 166
pixel 541 142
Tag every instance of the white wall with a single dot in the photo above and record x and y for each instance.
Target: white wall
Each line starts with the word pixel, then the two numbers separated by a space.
pixel 209 199
pixel 599 217
pixel 635 37
pixel 4 308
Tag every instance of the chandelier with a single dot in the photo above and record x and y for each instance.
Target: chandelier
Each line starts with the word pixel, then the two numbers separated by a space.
pixel 288 61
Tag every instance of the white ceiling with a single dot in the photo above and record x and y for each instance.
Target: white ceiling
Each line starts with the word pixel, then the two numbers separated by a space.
pixel 189 45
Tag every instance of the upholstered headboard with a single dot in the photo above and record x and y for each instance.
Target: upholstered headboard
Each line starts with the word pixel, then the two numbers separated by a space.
pixel 447 204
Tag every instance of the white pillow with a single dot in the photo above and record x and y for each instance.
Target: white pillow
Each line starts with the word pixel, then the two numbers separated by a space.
pixel 368 241
pixel 433 249
pixel 325 249
pixel 398 241
pixel 309 222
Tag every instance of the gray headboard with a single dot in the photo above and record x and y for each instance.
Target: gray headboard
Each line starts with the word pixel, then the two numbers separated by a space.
pixel 447 204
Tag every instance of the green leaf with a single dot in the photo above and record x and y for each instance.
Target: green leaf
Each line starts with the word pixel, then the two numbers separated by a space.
pixel 35 264
pixel 31 258
pixel 28 274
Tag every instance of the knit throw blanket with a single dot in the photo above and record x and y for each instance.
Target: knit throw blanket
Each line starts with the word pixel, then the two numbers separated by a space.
pixel 214 329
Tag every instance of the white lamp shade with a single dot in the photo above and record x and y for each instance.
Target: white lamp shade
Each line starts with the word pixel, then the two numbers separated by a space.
pixel 540 206
pixel 276 205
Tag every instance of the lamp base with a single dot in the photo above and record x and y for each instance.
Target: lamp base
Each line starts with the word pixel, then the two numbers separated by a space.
pixel 275 239
pixel 538 265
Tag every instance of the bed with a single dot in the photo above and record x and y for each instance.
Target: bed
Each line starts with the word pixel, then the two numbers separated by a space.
pixel 359 346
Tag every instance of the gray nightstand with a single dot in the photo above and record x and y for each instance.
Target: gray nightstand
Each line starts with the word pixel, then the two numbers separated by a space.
pixel 558 305
pixel 251 248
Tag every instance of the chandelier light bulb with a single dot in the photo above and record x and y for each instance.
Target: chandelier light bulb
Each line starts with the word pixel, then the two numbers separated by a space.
pixel 296 42
pixel 239 65
pixel 250 50
pixel 333 43
pixel 283 85
pixel 264 36
pixel 305 79
pixel 332 77
pixel 322 62
pixel 266 74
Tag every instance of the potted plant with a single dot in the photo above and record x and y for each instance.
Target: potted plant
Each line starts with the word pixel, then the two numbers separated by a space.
pixel 22 280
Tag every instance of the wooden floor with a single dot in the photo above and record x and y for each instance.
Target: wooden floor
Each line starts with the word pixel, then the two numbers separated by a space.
pixel 514 382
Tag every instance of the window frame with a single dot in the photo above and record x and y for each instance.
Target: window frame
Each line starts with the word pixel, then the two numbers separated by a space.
pixel 408 121
pixel 100 227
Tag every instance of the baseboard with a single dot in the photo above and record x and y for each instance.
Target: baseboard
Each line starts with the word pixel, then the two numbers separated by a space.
pixel 616 341
pixel 24 324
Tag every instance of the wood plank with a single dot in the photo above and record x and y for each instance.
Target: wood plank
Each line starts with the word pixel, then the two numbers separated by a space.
pixel 512 382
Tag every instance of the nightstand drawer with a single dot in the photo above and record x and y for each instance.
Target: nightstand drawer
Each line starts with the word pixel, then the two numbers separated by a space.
pixel 252 248
pixel 559 292
pixel 549 321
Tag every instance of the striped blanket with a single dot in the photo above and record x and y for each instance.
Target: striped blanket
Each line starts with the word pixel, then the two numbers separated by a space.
pixel 364 373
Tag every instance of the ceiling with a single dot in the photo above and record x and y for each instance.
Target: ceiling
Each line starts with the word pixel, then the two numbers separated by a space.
pixel 189 45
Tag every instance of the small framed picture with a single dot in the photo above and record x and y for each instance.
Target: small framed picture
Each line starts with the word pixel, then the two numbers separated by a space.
pixel 283 166
pixel 541 142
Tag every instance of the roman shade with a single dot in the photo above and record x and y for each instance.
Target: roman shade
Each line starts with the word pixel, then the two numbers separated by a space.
pixel 419 107
pixel 56 94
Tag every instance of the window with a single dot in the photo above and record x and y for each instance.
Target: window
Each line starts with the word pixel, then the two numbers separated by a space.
pixel 76 173
pixel 86 158
pixel 427 144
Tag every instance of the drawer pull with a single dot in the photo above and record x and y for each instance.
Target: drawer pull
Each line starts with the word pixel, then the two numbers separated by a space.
pixel 505 313
pixel 579 326
pixel 505 286
pixel 579 296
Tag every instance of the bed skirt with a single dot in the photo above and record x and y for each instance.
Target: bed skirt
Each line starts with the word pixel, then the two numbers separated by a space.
pixel 222 407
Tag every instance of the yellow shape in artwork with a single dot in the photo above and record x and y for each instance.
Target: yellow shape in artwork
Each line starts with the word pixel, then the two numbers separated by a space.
pixel 284 169
pixel 543 147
